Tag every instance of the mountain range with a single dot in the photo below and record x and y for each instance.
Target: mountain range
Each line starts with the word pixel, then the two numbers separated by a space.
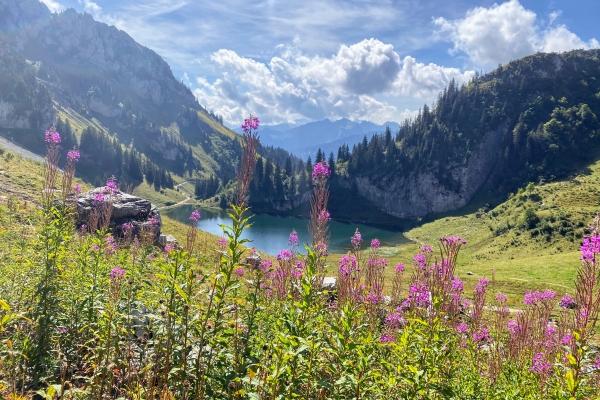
pixel 305 140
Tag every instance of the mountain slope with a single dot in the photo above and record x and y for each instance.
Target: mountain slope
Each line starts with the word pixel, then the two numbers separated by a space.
pixel 532 119
pixel 67 66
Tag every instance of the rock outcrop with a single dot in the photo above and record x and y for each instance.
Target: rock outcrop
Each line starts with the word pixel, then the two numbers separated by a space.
pixel 418 194
pixel 126 209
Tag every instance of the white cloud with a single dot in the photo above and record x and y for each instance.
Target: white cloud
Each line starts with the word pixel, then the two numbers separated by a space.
pixel 505 32
pixel 91 8
pixel 293 86
pixel 53 5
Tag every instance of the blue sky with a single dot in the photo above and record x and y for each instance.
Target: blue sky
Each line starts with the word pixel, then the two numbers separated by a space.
pixel 380 60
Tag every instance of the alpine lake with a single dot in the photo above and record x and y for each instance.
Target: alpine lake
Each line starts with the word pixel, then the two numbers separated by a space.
pixel 269 233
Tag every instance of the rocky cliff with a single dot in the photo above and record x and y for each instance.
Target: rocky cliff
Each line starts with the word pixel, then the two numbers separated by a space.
pixel 421 193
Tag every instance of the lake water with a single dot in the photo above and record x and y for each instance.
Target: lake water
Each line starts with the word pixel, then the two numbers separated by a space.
pixel 270 233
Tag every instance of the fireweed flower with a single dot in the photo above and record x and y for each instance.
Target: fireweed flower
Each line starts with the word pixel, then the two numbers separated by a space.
pixel 116 274
pixel 539 366
pixel 239 271
pixel 347 265
pixel 480 288
pixel 195 217
pixel 293 240
pixel 284 255
pixel 77 188
pixel 375 243
pixel 419 294
pixel 127 226
pixel 399 268
pixel 73 155
pixel 386 338
pixel 99 198
pixel 590 247
pixel 61 330
pixel 154 222
pixel 52 137
pixel 111 188
pixel 321 171
pixel 322 250
pixel 566 340
pixel 222 243
pixel 482 335
pixel 251 123
pixel 501 298
pixel 513 327
pixel 395 321
pixel 567 302
pixel 356 240
pixel 324 216
pixel 372 298
pixel 266 265
pixel 462 327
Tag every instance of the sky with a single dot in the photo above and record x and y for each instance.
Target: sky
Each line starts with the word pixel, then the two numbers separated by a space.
pixel 296 61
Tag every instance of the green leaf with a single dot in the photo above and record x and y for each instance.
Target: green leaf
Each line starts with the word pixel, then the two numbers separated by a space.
pixel 4 305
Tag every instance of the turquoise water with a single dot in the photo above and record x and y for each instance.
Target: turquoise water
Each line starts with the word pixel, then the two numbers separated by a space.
pixel 270 233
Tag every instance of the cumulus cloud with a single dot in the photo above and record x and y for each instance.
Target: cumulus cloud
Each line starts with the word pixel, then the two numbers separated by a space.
pixel 53 5
pixel 293 86
pixel 504 32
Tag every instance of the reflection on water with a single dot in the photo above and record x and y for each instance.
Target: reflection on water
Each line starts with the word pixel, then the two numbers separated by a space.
pixel 270 233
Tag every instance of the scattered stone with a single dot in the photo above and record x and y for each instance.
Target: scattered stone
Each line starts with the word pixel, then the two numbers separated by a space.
pixel 470 273
pixel 329 283
pixel 254 260
pixel 126 208
pixel 168 240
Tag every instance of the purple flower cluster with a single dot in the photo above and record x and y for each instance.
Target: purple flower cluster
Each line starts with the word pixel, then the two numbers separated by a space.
pixel 251 123
pixel 501 298
pixel 590 246
pixel 195 217
pixel 99 198
pixel 222 243
pixel 73 156
pixel 385 338
pixel 356 240
pixel 61 330
pixel 153 222
pixel 111 188
pixel 284 255
pixel 420 295
pixel 567 302
pixel 452 240
pixel 395 320
pixel 462 327
pixel 539 366
pixel 480 288
pixel 324 216
pixel 321 171
pixel 293 240
pixel 399 268
pixel 534 298
pixel 52 137
pixel 239 271
pixel 347 265
pixel 77 188
pixel 375 243
pixel 127 226
pixel 482 335
pixel 117 274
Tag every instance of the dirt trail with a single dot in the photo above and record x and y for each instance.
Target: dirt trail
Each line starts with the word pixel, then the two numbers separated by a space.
pixel 184 191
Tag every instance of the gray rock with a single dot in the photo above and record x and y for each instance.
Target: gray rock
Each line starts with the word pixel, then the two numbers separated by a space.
pixel 329 283
pixel 125 209
pixel 167 240
pixel 254 260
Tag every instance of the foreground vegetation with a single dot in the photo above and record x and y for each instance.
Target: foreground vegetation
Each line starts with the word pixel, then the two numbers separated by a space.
pixel 92 316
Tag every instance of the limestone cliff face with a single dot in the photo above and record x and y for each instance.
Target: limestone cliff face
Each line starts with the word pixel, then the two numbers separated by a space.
pixel 420 194
pixel 77 41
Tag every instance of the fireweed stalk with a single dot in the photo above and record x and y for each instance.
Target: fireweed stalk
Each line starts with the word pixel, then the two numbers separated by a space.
pixel 232 258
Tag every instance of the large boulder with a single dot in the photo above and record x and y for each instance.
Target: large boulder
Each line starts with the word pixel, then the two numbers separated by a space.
pixel 143 215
